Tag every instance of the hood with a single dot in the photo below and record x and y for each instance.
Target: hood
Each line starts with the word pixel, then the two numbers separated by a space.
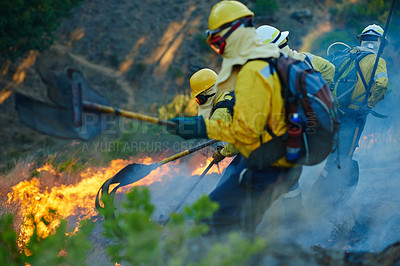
pixel 293 53
pixel 242 45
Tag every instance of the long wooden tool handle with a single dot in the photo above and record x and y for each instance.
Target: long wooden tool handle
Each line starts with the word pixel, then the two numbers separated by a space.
pixel 380 51
pixel 125 113
pixel 186 152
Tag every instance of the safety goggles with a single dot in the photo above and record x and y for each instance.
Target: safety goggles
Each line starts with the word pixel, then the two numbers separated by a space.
pixel 202 99
pixel 218 42
pixel 370 38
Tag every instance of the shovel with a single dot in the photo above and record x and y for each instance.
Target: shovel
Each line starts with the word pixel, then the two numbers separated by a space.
pixel 135 172
pixel 76 109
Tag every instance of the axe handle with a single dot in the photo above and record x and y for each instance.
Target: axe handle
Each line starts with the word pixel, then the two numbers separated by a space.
pixel 125 113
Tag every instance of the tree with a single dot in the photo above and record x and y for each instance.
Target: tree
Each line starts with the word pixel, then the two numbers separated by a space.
pixel 30 25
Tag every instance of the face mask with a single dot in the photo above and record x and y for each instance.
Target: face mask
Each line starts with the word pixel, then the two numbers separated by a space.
pixel 373 45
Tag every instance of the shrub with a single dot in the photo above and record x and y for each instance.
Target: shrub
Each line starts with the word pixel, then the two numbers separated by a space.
pixel 265 7
pixel 30 25
pixel 60 248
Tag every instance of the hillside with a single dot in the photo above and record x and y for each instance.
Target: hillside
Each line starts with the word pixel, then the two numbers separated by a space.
pixel 139 56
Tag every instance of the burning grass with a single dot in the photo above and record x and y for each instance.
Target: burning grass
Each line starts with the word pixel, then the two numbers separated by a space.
pixel 53 193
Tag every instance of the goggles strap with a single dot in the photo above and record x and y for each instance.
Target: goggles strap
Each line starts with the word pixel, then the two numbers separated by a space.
pixel 283 45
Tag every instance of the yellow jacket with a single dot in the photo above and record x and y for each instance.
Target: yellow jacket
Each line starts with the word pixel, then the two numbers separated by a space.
pixel 326 68
pixel 320 64
pixel 258 102
pixel 379 87
pixel 223 114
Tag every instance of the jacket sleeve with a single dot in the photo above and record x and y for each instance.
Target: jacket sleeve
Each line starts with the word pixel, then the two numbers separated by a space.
pixel 326 68
pixel 379 87
pixel 223 114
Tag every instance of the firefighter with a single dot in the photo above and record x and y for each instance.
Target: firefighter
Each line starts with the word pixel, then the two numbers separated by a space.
pixel 269 34
pixel 259 116
pixel 335 186
pixel 214 108
pixel 293 200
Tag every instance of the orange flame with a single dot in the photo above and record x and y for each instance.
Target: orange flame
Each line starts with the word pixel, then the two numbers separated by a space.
pixel 35 198
pixel 223 164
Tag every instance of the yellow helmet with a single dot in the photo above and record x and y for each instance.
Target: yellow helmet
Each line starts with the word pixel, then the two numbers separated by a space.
pixel 202 80
pixel 225 12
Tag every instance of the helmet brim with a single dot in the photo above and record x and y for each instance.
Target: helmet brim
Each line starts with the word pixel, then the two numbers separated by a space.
pixel 283 36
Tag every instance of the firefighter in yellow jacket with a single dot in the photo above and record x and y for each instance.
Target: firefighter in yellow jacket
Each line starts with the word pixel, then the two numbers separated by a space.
pixel 212 107
pixel 269 34
pixel 215 108
pixel 292 201
pixel 354 101
pixel 259 116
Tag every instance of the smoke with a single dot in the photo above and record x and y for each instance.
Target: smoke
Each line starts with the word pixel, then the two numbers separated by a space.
pixel 369 221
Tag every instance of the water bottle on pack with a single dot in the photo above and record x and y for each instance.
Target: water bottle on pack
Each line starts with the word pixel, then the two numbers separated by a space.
pixel 293 143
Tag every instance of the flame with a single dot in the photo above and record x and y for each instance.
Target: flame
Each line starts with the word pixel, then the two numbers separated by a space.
pixel 386 139
pixel 75 202
pixel 66 200
pixel 223 164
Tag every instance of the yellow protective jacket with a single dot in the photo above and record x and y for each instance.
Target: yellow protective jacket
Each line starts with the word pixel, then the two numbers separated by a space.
pixel 326 68
pixel 379 87
pixel 258 102
pixel 223 114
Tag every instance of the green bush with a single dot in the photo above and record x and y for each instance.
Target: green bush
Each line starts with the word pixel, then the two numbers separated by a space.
pixel 265 7
pixel 30 25
pixel 320 45
pixel 360 14
pixel 139 241
pixel 60 248
pixel 133 238
pixel 136 70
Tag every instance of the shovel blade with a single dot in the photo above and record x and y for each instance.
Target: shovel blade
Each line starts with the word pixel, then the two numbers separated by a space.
pixel 133 173
pixel 127 175
pixel 55 121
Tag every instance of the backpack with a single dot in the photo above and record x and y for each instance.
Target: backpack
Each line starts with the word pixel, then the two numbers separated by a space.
pixel 347 65
pixel 305 92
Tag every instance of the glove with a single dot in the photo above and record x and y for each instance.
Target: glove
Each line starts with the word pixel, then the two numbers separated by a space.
pixel 189 127
pixel 217 154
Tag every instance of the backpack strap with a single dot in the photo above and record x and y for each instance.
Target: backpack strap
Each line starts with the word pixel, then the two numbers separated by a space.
pixel 342 69
pixel 358 59
pixel 227 103
pixel 307 60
